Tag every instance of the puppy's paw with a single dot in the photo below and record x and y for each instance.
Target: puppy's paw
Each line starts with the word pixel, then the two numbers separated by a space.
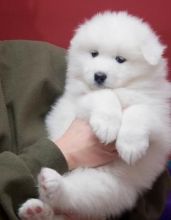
pixel 50 185
pixel 35 209
pixel 132 144
pixel 105 127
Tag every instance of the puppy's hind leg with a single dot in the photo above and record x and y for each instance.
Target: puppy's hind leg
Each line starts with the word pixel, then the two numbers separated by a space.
pixel 90 193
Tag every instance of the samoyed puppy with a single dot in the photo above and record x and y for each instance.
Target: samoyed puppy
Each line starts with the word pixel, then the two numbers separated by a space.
pixel 116 79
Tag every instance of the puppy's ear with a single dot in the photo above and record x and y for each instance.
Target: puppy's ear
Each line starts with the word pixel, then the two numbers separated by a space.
pixel 153 51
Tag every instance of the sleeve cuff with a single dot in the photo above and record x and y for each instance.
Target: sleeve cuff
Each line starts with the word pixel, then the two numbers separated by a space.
pixel 44 153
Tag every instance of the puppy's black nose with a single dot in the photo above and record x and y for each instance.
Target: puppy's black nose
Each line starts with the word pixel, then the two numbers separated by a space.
pixel 100 77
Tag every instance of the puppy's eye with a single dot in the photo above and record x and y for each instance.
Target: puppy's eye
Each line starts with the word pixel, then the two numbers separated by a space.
pixel 120 59
pixel 94 53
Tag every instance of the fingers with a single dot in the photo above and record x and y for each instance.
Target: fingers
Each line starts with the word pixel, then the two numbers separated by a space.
pixel 109 148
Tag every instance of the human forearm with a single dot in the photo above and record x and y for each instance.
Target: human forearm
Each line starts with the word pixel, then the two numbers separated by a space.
pixel 44 153
pixel 19 174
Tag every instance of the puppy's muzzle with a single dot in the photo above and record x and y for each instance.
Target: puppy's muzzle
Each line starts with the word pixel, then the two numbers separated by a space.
pixel 100 77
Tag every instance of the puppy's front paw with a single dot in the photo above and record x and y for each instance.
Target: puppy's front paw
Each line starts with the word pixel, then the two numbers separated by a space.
pixel 132 144
pixel 35 209
pixel 105 127
pixel 50 185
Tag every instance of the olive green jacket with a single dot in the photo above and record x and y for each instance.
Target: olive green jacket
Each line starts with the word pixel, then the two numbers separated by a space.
pixel 32 76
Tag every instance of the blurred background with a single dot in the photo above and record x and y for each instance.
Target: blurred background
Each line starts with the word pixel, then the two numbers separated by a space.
pixel 54 21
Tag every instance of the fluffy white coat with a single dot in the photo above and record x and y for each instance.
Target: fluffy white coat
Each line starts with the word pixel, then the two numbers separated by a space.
pixel 130 107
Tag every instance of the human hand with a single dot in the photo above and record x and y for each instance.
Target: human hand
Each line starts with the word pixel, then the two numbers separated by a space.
pixel 81 147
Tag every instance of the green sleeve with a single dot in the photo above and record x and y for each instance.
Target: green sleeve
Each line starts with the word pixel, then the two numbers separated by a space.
pixel 32 76
pixel 19 172
pixel 44 153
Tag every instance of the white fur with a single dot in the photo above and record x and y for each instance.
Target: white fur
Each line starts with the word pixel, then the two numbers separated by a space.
pixel 132 107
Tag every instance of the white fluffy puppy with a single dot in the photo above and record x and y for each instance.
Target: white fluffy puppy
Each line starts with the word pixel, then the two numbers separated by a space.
pixel 116 79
